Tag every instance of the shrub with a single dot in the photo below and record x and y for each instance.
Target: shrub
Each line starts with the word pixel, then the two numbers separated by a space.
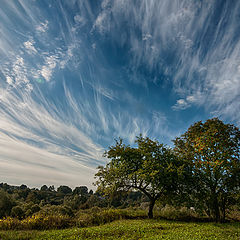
pixel 9 223
pixel 35 208
pixel 98 216
pixel 17 212
pixel 30 209
pixel 60 209
pixel 89 217
pixel 174 213
pixel 39 222
pixel 6 204
pixel 234 213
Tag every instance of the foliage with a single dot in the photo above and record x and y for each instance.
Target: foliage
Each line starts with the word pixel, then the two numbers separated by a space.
pixel 212 152
pixel 98 216
pixel 17 212
pixel 36 222
pixel 56 220
pixel 178 213
pixel 64 190
pixel 60 210
pixel 33 200
pixel 150 168
pixel 6 204
pixel 81 191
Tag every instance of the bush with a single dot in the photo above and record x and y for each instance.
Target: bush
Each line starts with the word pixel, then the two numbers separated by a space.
pixel 17 212
pixel 6 204
pixel 30 209
pixel 39 222
pixel 234 213
pixel 60 209
pixel 35 208
pixel 174 213
pixel 98 216
pixel 89 217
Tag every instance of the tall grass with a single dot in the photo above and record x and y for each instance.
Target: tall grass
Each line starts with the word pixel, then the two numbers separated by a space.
pixel 98 216
pixel 90 217
pixel 93 217
pixel 177 213
pixel 38 222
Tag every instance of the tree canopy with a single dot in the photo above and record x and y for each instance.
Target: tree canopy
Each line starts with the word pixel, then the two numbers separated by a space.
pixel 212 150
pixel 150 168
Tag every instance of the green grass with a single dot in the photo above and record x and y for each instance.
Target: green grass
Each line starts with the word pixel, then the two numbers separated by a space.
pixel 135 229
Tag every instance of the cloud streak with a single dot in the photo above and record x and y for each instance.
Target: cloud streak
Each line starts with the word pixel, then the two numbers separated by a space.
pixel 170 31
pixel 32 165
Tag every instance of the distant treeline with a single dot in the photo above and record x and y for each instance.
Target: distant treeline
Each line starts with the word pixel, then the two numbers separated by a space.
pixel 22 201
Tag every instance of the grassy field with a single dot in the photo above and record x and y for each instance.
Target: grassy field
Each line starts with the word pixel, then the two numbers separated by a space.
pixel 135 229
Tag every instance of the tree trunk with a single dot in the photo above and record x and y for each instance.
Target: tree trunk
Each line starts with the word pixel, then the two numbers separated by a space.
pixel 150 210
pixel 216 209
pixel 223 209
pixel 223 214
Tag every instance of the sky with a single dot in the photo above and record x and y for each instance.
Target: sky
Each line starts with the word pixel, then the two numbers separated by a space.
pixel 75 75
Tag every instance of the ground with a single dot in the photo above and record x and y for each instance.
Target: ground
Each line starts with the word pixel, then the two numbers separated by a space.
pixel 136 229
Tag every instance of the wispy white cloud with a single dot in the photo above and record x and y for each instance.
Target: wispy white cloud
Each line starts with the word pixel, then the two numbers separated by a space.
pixel 29 45
pixel 16 74
pixel 196 99
pixel 80 20
pixel 146 37
pixel 34 166
pixel 179 38
pixel 38 125
pixel 181 104
pixel 9 80
pixel 102 23
pixel 49 66
pixel 42 27
pixel 67 56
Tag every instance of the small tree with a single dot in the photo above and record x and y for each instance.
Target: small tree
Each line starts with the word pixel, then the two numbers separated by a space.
pixel 44 188
pixel 82 191
pixel 64 189
pixel 6 204
pixel 212 151
pixel 17 212
pixel 150 168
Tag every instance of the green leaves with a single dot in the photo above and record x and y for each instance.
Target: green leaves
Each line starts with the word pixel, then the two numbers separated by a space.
pixel 212 149
pixel 150 167
pixel 205 164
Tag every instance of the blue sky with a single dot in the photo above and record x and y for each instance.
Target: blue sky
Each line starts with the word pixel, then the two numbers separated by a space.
pixel 74 75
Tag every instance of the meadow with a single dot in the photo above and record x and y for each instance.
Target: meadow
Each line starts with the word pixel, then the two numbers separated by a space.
pixel 135 229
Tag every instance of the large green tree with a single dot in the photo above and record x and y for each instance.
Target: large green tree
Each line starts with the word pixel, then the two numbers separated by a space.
pixel 212 151
pixel 149 167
